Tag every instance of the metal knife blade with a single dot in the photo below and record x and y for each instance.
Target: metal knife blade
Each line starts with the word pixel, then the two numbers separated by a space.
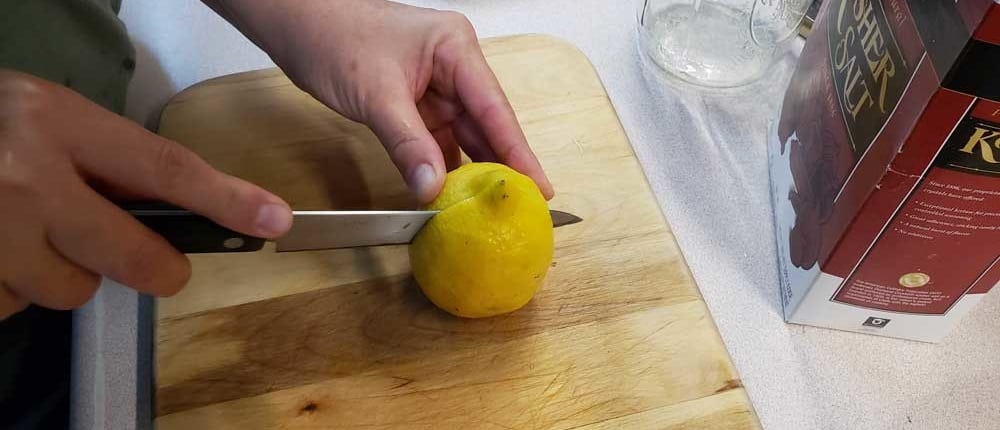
pixel 311 230
pixel 347 229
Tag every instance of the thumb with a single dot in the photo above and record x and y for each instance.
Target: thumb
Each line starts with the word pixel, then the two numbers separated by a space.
pixel 398 125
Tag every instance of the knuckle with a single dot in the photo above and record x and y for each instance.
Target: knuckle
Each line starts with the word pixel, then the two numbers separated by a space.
pixel 17 306
pixel 171 167
pixel 145 268
pixel 22 99
pixel 458 41
pixel 460 25
pixel 16 184
pixel 18 86
pixel 12 307
pixel 138 266
pixel 172 281
pixel 398 145
pixel 78 290
pixel 19 192
pixel 176 283
pixel 236 206
pixel 375 103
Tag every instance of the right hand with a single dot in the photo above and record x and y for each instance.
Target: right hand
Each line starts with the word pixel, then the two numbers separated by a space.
pixel 417 77
pixel 61 159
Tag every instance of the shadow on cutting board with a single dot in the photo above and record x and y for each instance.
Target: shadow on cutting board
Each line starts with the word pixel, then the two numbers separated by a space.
pixel 341 334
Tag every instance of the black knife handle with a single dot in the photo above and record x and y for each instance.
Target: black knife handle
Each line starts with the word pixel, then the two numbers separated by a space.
pixel 191 233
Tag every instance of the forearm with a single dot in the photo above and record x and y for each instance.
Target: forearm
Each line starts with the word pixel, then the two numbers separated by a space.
pixel 264 21
pixel 246 17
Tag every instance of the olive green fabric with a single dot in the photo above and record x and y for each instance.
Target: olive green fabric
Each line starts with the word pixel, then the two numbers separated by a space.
pixel 78 43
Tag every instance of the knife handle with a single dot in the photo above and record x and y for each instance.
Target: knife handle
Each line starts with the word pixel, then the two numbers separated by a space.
pixel 189 232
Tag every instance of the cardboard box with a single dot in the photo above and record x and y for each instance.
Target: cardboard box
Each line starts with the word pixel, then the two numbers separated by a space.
pixel 885 167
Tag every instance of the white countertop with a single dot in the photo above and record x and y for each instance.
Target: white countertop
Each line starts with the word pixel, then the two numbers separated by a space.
pixel 704 155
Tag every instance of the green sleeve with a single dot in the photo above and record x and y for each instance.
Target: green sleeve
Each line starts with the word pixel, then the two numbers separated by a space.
pixel 77 43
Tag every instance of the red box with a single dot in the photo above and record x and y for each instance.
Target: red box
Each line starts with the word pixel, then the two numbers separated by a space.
pixel 885 167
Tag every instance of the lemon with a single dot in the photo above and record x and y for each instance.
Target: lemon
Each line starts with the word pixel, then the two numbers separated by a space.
pixel 488 250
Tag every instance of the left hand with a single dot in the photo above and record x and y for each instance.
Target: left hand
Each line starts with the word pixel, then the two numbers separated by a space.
pixel 417 77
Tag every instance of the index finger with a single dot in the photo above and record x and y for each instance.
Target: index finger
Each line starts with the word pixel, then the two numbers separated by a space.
pixel 484 100
pixel 130 158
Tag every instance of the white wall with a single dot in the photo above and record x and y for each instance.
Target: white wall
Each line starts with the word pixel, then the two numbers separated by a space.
pixel 179 43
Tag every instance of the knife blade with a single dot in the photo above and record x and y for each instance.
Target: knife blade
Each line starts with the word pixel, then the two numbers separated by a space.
pixel 191 233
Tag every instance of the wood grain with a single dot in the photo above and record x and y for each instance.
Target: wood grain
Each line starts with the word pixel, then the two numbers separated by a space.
pixel 617 338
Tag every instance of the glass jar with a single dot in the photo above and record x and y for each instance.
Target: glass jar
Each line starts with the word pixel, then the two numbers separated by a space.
pixel 716 43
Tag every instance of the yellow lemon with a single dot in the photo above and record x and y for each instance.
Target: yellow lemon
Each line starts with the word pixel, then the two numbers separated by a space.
pixel 488 250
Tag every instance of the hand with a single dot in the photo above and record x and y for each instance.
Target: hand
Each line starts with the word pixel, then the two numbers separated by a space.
pixel 60 156
pixel 416 77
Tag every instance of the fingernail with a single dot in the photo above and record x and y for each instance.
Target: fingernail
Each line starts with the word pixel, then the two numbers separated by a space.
pixel 548 190
pixel 423 181
pixel 273 220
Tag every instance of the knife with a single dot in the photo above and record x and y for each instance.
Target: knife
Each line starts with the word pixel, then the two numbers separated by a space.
pixel 191 233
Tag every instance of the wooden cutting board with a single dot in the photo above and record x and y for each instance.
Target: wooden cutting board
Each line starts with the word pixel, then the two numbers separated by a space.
pixel 619 336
